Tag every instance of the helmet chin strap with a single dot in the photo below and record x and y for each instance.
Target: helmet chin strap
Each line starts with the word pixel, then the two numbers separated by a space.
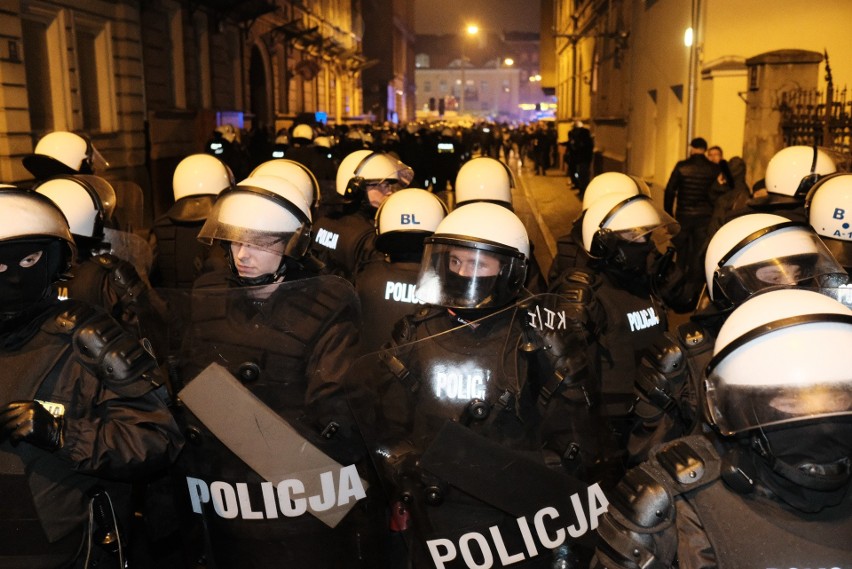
pixel 823 477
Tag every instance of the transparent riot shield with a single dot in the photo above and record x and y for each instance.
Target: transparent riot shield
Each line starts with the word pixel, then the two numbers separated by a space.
pixel 274 472
pixel 486 436
pixel 132 248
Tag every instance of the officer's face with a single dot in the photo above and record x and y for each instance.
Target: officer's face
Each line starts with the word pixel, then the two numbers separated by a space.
pixel 785 274
pixel 377 193
pixel 25 263
pixel 253 262
pixel 470 263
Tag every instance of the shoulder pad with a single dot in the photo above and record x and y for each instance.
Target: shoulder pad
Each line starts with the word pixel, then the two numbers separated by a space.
pixel 642 502
pixel 691 335
pixel 581 276
pixel 689 462
pixel 67 321
pixel 665 354
pixel 114 355
pixel 106 261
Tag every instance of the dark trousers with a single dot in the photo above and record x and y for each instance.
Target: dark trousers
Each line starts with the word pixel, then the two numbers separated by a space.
pixel 689 244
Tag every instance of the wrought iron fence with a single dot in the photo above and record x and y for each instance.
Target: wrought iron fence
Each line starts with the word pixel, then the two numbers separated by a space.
pixel 819 117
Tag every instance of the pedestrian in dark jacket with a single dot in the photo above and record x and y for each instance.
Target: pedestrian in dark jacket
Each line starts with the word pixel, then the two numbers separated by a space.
pixel 689 186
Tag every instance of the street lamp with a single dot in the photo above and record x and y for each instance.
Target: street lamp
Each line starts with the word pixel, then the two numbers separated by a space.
pixel 472 30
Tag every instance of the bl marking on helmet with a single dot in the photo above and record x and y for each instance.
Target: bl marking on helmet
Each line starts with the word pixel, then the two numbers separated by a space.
pixel 474 545
pixel 408 219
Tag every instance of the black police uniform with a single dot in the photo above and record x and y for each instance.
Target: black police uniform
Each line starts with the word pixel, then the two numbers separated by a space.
pixel 621 319
pixel 344 239
pixel 106 389
pixel 685 508
pixel 498 377
pixel 181 258
pixel 291 351
pixel 387 291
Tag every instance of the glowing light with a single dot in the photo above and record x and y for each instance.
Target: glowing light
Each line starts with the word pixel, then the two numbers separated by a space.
pixel 508 62
pixel 472 29
pixel 687 37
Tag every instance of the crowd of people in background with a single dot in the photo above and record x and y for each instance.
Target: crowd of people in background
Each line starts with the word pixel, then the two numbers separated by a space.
pixel 336 348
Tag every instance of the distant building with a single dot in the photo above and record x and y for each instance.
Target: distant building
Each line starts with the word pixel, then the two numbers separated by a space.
pixel 500 73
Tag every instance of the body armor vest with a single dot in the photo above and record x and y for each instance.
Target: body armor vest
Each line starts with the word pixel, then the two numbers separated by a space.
pixel 343 242
pixel 180 256
pixel 749 532
pixel 268 348
pixel 387 292
pixel 633 322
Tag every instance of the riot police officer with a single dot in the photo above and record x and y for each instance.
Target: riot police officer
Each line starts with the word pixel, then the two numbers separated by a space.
pixel 486 179
pixel 774 489
pixel 475 382
pixel 569 247
pixel 345 237
pixel 386 285
pixel 82 410
pixel 99 277
pixel 196 182
pixel 748 255
pixel 62 152
pixel 264 353
pixel 620 297
pixel 828 206
pixel 790 174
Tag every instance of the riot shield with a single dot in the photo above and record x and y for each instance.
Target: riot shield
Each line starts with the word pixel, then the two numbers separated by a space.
pixel 274 472
pixel 485 434
pixel 132 248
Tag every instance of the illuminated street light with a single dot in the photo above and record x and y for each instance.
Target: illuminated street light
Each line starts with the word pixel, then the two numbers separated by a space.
pixel 472 30
pixel 687 37
pixel 508 62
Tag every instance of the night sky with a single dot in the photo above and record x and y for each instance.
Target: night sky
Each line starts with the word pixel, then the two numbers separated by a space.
pixel 451 16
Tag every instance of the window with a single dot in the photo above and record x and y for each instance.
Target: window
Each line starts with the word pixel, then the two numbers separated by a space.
pixel 442 87
pixel 421 61
pixel 74 91
pixel 427 86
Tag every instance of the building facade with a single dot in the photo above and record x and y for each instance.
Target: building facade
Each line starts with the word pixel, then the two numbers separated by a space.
pixel 624 67
pixel 500 73
pixel 149 81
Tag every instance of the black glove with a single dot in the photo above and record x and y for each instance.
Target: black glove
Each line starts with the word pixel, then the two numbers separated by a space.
pixel 30 421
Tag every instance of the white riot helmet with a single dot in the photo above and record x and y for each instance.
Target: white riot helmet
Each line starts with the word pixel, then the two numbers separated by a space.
pixel 477 258
pixel 303 132
pixel 36 248
pixel 87 202
pixel 760 251
pixel 626 228
pixel 265 212
pixel 484 179
pixel 829 209
pixel 779 358
pixel 294 172
pixel 62 152
pixel 794 170
pixel 405 219
pixel 323 141
pixel 613 183
pixel 201 174
pixel 372 170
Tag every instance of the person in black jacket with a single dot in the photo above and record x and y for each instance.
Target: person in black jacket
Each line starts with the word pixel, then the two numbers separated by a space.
pixel 689 185
pixel 82 404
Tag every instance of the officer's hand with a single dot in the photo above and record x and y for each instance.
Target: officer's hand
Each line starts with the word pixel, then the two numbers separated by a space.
pixel 30 421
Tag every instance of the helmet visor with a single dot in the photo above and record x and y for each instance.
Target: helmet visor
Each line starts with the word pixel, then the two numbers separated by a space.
pixel 841 250
pixel 465 274
pixel 736 408
pixel 253 219
pixel 816 268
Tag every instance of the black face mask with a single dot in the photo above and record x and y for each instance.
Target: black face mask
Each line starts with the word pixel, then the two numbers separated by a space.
pixel 807 466
pixel 23 286
pixel 632 257
pixel 463 290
